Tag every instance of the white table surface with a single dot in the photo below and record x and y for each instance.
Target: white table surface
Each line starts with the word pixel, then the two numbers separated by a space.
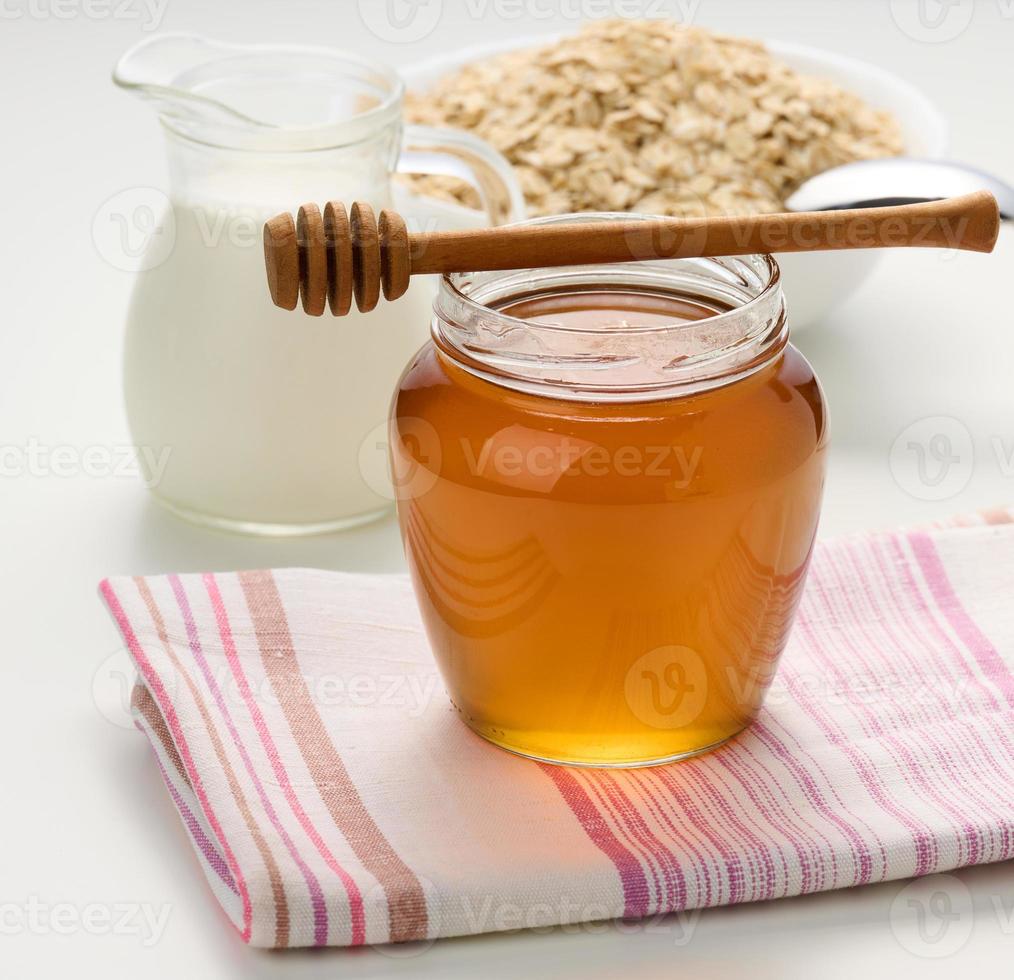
pixel 85 821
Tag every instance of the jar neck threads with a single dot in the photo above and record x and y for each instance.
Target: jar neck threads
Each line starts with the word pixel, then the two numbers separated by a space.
pixel 537 330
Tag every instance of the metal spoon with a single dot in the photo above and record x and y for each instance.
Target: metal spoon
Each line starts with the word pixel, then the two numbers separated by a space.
pixel 896 180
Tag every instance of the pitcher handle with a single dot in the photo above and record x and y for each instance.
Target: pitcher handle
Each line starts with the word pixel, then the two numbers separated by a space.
pixel 453 153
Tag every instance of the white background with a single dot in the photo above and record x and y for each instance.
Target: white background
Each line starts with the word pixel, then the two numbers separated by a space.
pixel 84 818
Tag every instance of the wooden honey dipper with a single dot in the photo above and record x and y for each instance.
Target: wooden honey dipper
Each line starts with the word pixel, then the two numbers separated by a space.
pixel 329 257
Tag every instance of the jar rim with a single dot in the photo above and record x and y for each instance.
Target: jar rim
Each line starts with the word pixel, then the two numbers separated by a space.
pixel 563 360
pixel 451 280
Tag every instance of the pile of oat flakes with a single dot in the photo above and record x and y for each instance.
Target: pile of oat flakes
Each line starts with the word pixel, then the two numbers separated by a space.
pixel 655 117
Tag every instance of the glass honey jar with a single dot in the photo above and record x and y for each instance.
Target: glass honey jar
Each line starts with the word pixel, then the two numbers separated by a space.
pixel 609 482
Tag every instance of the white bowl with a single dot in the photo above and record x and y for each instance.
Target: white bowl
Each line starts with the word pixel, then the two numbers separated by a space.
pixel 814 283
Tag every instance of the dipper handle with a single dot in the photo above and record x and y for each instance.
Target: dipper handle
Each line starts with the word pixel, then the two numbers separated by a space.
pixel 329 258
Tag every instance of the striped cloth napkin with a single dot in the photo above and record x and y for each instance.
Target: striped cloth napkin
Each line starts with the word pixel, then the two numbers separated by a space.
pixel 333 798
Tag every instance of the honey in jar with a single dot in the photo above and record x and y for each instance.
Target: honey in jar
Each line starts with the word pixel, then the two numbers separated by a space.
pixel 609 482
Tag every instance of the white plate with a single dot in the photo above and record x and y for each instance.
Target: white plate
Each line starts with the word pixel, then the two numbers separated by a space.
pixel 816 283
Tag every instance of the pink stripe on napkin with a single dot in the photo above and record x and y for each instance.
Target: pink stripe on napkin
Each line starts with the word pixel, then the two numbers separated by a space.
pixel 334 798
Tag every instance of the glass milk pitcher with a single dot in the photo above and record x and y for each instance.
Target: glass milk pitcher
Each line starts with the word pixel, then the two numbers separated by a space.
pixel 265 423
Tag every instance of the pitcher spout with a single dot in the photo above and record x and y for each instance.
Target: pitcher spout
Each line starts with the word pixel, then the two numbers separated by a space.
pixel 260 96
pixel 165 70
